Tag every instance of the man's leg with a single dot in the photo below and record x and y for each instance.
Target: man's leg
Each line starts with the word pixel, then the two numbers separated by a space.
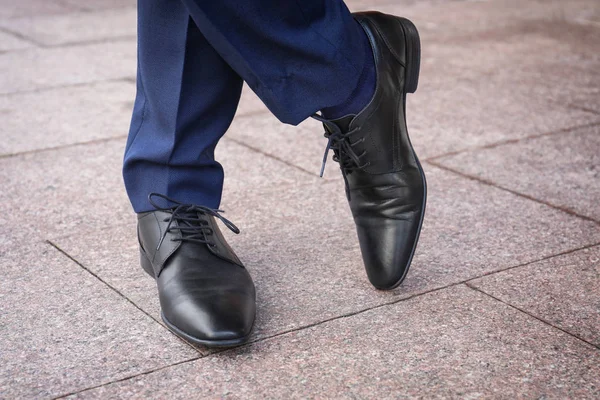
pixel 307 55
pixel 187 96
pixel 298 56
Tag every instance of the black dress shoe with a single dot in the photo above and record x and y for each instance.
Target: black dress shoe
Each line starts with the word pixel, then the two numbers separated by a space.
pixel 206 295
pixel 385 183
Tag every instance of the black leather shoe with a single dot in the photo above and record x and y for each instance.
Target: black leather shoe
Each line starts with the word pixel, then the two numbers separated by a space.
pixel 385 183
pixel 206 295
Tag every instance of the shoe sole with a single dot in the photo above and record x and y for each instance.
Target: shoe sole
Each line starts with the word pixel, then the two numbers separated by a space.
pixel 411 79
pixel 147 267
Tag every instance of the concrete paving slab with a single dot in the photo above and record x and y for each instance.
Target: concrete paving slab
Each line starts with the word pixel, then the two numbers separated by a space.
pixel 12 8
pixel 100 4
pixel 63 116
pixel 494 66
pixel 10 42
pixel 570 75
pixel 304 257
pixel 561 169
pixel 34 69
pixel 97 252
pixel 302 145
pixel 55 191
pixel 250 104
pixel 452 19
pixel 486 92
pixel 573 78
pixel 454 343
pixel 565 291
pixel 80 188
pixel 63 330
pixel 75 27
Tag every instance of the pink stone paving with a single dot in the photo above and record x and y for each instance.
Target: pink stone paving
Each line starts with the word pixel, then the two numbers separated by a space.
pixel 502 300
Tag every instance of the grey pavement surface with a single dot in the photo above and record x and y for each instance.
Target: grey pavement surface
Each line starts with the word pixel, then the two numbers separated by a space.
pixel 502 300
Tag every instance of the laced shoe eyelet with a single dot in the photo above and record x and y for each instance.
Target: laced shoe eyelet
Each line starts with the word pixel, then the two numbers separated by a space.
pixel 189 221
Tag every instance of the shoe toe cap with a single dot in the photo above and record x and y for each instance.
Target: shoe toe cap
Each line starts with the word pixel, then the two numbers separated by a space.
pixel 387 249
pixel 209 310
pixel 217 319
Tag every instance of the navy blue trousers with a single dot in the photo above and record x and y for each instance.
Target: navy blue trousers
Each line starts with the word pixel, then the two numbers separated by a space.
pixel 193 56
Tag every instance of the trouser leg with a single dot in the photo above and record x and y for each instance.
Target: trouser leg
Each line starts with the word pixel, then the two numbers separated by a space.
pixel 186 98
pixel 298 56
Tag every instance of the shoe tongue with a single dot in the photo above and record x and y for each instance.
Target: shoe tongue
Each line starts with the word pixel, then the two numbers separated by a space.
pixel 193 218
pixel 343 123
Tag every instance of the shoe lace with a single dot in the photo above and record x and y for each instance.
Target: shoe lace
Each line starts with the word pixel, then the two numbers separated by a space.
pixel 342 146
pixel 189 224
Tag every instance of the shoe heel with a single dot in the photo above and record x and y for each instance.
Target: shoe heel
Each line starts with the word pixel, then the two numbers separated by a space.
pixel 146 264
pixel 413 55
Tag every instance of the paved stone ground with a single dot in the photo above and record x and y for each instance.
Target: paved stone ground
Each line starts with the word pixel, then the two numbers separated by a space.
pixel 503 299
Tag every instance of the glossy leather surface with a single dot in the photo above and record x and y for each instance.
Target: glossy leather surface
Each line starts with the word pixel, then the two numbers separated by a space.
pixel 206 294
pixel 387 196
